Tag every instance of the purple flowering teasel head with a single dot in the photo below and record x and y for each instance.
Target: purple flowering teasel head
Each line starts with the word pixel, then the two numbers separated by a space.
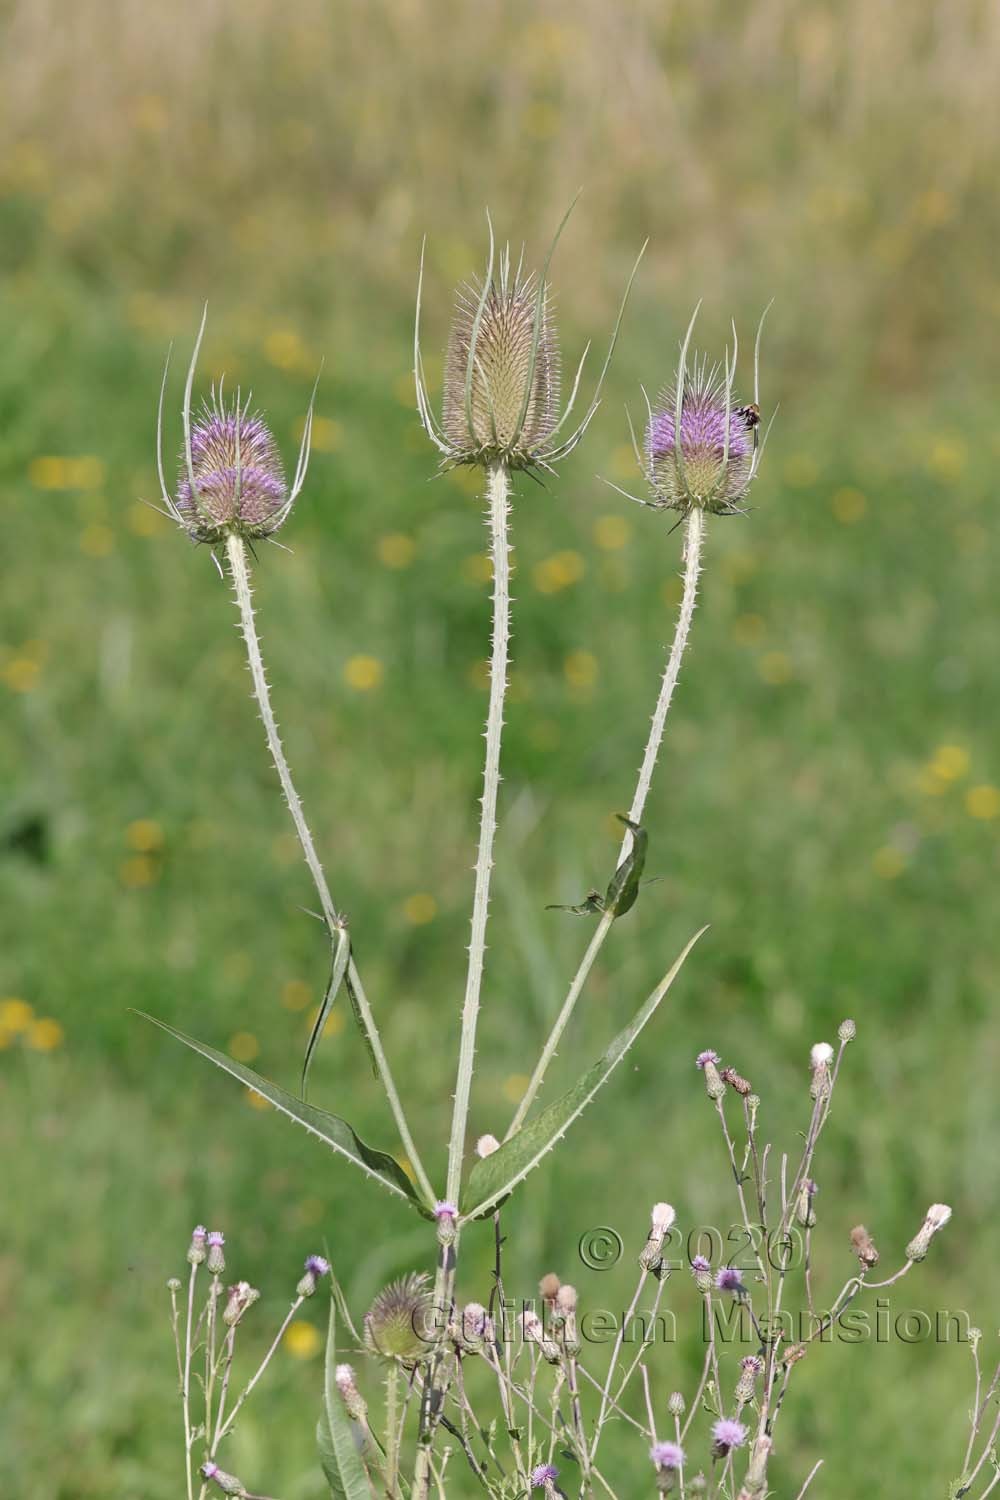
pixel 701 447
pixel 501 395
pixel 231 479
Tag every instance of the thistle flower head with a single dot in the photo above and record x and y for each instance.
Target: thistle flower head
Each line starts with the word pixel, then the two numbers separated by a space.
pixel 729 1279
pixel 706 1057
pixel 543 1476
pixel 501 394
pixel 231 480
pixel 821 1055
pixel 315 1269
pixel 667 1455
pixel 397 1323
pixel 728 1434
pixel 701 1263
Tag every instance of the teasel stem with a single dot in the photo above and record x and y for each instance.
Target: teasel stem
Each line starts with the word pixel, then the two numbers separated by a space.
pixel 694 530
pixel 392 1432
pixel 236 554
pixel 498 489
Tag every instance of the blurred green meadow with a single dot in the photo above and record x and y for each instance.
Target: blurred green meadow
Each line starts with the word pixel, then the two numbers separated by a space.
pixel 828 798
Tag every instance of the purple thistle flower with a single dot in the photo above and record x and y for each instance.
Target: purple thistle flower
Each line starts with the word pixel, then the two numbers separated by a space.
pixel 241 491
pixel 667 1455
pixel 317 1265
pixel 728 1434
pixel 543 1475
pixel 752 1363
pixel 216 1237
pixel 706 458
pixel 445 1210
pixel 701 1263
pixel 708 1056
pixel 729 1279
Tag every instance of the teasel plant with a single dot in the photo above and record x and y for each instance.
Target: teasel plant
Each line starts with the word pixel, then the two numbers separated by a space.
pixel 500 414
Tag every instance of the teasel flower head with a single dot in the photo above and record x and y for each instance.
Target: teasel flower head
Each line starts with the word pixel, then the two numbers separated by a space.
pixel 398 1323
pixel 501 395
pixel 936 1218
pixel 231 479
pixel 701 448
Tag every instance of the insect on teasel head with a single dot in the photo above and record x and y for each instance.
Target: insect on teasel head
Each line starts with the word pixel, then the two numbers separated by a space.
pixel 702 446
pixel 502 370
pixel 231 478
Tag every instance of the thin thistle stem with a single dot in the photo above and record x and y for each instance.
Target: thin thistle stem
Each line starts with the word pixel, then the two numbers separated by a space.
pixel 499 513
pixel 693 537
pixel 236 553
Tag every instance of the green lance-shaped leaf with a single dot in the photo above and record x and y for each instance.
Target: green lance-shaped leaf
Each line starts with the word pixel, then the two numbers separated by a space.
pixel 331 1129
pixel 340 958
pixel 498 1174
pixel 623 886
pixel 338 1449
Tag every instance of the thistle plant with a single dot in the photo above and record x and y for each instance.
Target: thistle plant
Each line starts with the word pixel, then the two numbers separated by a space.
pixel 435 1353
pixel 207 1319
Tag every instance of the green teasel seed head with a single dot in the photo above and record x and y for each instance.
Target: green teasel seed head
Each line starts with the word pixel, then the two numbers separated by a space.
pixel 502 371
pixel 398 1325
pixel 501 396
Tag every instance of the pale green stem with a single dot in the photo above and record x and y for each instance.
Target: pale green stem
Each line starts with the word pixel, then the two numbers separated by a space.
pixel 499 511
pixel 239 568
pixel 693 535
pixel 224 1426
pixel 188 1440
pixel 392 1434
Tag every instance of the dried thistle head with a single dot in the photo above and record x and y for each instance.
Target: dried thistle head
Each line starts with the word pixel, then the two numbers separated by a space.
pixel 702 447
pixel 502 371
pixel 398 1322
pixel 231 479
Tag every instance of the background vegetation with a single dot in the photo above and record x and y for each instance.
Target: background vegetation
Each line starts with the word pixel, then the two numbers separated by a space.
pixel 829 797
